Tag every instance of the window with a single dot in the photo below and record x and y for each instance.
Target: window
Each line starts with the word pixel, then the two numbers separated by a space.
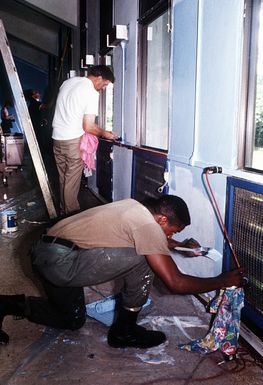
pixel 109 107
pixel 254 118
pixel 155 82
pixel 106 98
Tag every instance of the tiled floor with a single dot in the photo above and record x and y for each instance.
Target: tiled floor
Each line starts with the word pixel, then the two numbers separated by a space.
pixel 38 355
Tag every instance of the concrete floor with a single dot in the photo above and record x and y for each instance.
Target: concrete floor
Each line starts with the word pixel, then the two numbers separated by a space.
pixel 38 355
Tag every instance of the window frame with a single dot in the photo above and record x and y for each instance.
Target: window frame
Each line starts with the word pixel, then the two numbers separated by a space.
pixel 143 24
pixel 106 60
pixel 250 51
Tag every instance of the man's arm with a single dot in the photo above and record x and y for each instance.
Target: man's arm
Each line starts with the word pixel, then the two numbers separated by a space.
pixel 166 269
pixel 90 126
pixel 188 243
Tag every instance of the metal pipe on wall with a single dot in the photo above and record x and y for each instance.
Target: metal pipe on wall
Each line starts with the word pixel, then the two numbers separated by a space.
pixel 123 47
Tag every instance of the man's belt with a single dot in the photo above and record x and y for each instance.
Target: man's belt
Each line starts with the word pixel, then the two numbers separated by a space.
pixel 59 241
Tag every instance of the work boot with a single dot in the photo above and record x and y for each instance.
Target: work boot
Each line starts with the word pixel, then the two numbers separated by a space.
pixel 11 305
pixel 126 333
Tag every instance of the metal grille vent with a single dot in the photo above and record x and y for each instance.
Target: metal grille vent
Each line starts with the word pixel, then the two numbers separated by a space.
pixel 247 239
pixel 148 175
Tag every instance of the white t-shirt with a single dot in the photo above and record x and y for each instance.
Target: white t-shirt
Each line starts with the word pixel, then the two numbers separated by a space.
pixel 77 97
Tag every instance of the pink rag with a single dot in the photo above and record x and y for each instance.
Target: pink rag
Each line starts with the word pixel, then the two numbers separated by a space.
pixel 88 147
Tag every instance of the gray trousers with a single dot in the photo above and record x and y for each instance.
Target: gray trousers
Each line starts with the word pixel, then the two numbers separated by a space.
pixel 65 271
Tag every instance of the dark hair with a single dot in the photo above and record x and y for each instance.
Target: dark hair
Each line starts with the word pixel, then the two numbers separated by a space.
pixel 8 103
pixel 173 207
pixel 103 71
pixel 33 92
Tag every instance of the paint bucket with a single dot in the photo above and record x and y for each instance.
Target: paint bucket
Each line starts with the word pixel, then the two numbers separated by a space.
pixel 9 221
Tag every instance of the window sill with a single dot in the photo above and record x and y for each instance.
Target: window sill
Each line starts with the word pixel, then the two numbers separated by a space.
pixel 150 150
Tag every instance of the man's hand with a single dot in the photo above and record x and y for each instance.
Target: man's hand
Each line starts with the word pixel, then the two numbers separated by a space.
pixel 187 243
pixel 110 135
pixel 91 127
pixel 191 243
pixel 233 278
pixel 172 243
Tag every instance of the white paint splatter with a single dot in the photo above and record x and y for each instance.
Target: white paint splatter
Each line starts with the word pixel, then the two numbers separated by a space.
pixel 180 322
pixel 156 356
pixel 185 321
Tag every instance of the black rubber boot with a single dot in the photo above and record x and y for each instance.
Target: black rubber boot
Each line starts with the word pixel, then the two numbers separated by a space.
pixel 126 333
pixel 11 305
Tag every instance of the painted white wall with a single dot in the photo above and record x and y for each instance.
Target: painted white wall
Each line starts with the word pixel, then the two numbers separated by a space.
pixel 206 70
pixel 122 173
pixel 65 11
pixel 183 81
pixel 40 34
pixel 219 64
pixel 206 63
pixel 125 59
pixel 187 182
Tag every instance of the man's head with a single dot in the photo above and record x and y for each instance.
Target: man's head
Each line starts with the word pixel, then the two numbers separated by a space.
pixel 35 94
pixel 170 212
pixel 100 76
pixel 8 103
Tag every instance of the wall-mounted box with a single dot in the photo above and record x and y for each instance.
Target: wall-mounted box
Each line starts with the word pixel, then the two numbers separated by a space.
pixel 116 35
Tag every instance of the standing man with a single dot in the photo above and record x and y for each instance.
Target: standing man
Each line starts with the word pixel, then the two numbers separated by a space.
pixel 75 112
pixel 120 239
pixel 7 119
pixel 36 111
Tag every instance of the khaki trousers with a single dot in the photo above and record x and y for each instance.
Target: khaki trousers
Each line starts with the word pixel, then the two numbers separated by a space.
pixel 70 167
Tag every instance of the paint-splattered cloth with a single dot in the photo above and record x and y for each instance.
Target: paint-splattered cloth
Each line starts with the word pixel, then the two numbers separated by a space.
pixel 224 332
pixel 88 148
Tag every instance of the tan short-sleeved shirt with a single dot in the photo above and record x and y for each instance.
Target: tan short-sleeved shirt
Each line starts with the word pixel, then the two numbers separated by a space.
pixel 125 223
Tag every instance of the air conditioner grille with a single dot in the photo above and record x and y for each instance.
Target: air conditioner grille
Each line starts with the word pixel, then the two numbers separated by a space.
pixel 247 239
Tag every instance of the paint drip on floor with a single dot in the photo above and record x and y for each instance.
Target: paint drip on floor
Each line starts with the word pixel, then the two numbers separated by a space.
pixel 181 322
pixel 156 356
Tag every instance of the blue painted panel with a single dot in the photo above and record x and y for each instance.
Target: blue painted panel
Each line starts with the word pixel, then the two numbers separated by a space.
pixel 250 313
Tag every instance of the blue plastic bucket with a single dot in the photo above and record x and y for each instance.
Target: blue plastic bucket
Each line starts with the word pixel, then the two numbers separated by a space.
pixel 9 221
